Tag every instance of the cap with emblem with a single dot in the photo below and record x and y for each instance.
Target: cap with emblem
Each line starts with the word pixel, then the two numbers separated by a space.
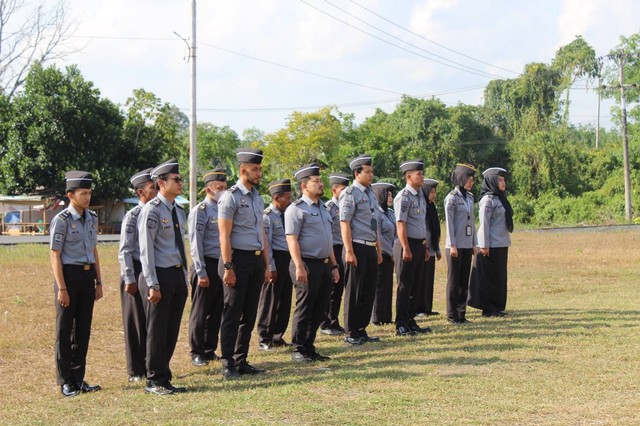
pixel 430 183
pixel 306 171
pixel 461 173
pixel 411 165
pixel 280 186
pixel 360 160
pixel 169 166
pixel 216 175
pixel 495 171
pixel 339 179
pixel 249 155
pixel 143 176
pixel 78 179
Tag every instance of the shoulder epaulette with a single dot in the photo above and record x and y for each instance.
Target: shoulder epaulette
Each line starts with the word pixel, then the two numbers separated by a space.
pixel 453 192
pixel 405 192
pixel 179 206
pixel 135 211
pixel 267 210
pixel 65 214
pixel 92 213
pixel 155 202
pixel 298 201
pixel 233 188
pixel 329 204
pixel 201 207
pixel 349 189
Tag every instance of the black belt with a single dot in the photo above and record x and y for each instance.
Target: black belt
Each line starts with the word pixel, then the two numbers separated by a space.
pixel 85 267
pixel 248 252
pixel 169 267
pixel 315 260
pixel 420 241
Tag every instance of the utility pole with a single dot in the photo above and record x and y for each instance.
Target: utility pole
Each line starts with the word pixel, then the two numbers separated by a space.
pixel 193 172
pixel 598 116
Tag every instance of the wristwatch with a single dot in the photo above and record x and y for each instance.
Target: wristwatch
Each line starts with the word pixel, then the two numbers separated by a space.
pixel 336 266
pixel 155 287
pixel 228 265
pixel 98 282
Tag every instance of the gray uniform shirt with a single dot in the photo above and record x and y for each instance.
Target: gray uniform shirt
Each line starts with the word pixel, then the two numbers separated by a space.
pixel 459 217
pixel 410 207
pixel 129 249
pixel 311 222
pixel 334 212
pixel 245 208
pixel 493 225
pixel 74 236
pixel 387 230
pixel 358 207
pixel 204 237
pixel 274 229
pixel 157 237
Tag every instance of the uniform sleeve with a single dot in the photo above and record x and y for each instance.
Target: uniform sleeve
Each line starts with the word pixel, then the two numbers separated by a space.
pixel 485 209
pixel 449 216
pixel 148 225
pixel 58 232
pixel 401 207
pixel 269 233
pixel 127 248
pixel 293 220
pixel 226 206
pixel 197 221
pixel 346 206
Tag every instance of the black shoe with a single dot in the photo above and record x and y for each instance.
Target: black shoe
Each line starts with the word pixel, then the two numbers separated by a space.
pixel 174 389
pixel 432 313
pixel 320 358
pixel 265 347
pixel 404 331
pixel 371 339
pixel 136 379
pixel 280 343
pixel 69 390
pixel 246 368
pixel 86 387
pixel 354 341
pixel 300 357
pixel 453 320
pixel 339 328
pixel 212 356
pixel 156 388
pixel 199 360
pixel 501 314
pixel 331 331
pixel 230 373
pixel 463 321
pixel 421 314
pixel 418 329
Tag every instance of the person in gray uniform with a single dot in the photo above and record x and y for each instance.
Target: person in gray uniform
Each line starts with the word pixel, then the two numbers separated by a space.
pixel 460 246
pixel 77 285
pixel 331 324
pixel 206 285
pixel 274 307
pixel 424 296
pixel 313 266
pixel 134 319
pixel 410 251
pixel 362 250
pixel 163 283
pixel 244 262
pixel 488 286
pixel 384 286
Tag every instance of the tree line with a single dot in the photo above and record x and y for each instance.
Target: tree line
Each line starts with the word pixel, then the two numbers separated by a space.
pixel 59 121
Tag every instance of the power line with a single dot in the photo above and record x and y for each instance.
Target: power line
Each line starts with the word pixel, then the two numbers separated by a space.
pixel 467 69
pixel 432 41
pixel 406 42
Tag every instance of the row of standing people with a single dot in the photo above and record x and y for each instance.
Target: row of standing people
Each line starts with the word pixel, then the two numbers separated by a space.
pixel 252 273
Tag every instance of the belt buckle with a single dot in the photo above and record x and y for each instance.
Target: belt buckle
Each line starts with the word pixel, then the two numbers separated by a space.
pixel 179 266
pixel 326 260
pixel 86 267
pixel 424 242
pixel 257 253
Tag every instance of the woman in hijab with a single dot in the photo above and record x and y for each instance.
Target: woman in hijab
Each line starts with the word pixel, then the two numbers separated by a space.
pixel 461 241
pixel 424 297
pixel 488 287
pixel 384 286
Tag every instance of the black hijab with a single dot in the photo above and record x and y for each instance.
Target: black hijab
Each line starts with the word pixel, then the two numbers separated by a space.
pixel 490 181
pixel 461 175
pixel 433 221
pixel 381 191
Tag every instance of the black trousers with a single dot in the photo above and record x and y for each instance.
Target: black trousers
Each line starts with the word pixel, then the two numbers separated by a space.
pixel 134 321
pixel 488 283
pixel 332 313
pixel 424 294
pixel 274 306
pixel 458 272
pixel 409 280
pixel 206 311
pixel 312 299
pixel 384 292
pixel 240 307
pixel 163 320
pixel 360 290
pixel 73 324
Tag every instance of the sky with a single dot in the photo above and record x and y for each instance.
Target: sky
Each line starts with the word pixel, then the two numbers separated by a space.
pixel 259 60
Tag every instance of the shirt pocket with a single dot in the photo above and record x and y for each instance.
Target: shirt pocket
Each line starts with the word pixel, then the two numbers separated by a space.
pixel 73 235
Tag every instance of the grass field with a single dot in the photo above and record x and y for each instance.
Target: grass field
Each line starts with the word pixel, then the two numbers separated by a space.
pixel 568 353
